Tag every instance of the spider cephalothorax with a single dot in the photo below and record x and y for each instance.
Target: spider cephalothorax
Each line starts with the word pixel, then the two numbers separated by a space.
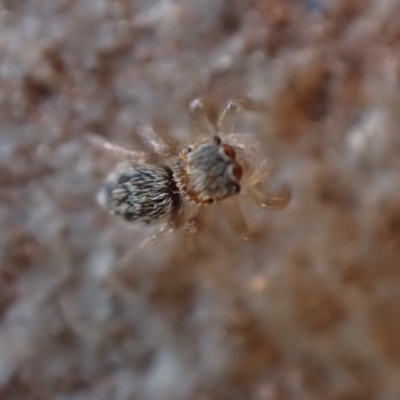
pixel 207 171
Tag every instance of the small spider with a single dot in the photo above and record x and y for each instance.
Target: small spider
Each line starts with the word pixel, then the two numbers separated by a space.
pixel 153 187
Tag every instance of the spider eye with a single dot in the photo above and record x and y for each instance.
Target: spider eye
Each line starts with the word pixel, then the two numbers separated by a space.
pixel 237 171
pixel 209 201
pixel 217 140
pixel 187 150
pixel 229 151
pixel 235 188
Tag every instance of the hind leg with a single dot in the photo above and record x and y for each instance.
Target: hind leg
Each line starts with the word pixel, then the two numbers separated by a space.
pixel 116 150
pixel 158 146
pixel 146 244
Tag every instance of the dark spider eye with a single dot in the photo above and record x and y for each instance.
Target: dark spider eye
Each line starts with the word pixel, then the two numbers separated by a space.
pixel 229 151
pixel 209 201
pixel 237 171
pixel 217 140
pixel 235 188
pixel 187 150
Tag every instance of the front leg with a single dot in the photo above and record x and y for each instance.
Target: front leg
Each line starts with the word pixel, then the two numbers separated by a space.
pixel 200 122
pixel 265 200
pixel 261 172
pixel 236 218
pixel 260 197
pixel 191 229
pixel 227 118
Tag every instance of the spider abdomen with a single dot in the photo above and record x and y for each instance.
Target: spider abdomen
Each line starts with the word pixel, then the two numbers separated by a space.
pixel 140 192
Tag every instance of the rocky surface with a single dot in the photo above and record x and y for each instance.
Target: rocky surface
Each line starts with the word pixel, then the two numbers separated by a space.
pixel 309 309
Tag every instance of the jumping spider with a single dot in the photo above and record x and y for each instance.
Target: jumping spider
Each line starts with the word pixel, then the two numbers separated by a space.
pixel 146 188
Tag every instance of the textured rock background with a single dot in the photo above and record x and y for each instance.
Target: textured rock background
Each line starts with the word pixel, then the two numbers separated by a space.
pixel 308 310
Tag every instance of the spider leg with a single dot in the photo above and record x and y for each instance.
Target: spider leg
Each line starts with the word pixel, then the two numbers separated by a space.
pixel 272 202
pixel 200 122
pixel 174 222
pixel 156 144
pixel 236 218
pixel 258 194
pixel 150 241
pixel 191 228
pixel 261 172
pixel 115 279
pixel 227 118
pixel 116 150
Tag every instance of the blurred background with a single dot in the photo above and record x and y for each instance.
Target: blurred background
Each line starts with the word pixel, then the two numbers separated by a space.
pixel 309 309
